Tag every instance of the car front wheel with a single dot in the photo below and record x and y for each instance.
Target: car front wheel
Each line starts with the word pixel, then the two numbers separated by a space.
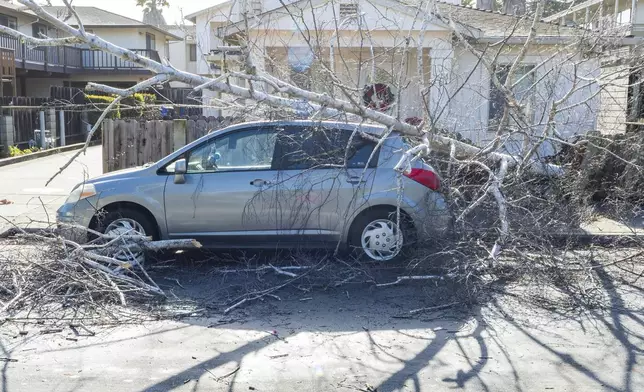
pixel 380 236
pixel 124 222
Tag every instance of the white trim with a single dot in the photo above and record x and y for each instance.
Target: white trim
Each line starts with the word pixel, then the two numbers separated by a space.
pixel 205 10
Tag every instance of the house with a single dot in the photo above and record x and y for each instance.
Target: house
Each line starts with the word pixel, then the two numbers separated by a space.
pixel 36 69
pixel 622 98
pixel 402 59
pixel 183 54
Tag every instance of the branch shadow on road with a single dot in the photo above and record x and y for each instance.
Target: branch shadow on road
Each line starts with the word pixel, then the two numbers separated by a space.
pixel 297 336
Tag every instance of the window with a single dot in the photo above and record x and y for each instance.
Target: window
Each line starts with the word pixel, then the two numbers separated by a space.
pixel 317 147
pixel 237 151
pixel 192 49
pixel 348 10
pixel 39 30
pixel 255 7
pixel 497 99
pixel 9 21
pixel 150 41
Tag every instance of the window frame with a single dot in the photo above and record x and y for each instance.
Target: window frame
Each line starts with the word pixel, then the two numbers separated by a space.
pixel 493 122
pixel 10 19
pixel 150 41
pixel 192 53
pixel 280 154
pixel 186 154
pixel 40 27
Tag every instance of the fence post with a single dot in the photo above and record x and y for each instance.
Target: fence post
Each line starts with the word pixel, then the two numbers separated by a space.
pixel 178 134
pixel 43 127
pixel 50 121
pixel 6 132
pixel 61 121
pixel 85 123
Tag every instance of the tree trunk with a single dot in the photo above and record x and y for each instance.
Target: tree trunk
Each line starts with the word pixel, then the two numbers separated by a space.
pixel 514 7
pixel 487 5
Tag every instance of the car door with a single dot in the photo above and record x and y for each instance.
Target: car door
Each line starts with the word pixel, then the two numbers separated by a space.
pixel 318 180
pixel 227 191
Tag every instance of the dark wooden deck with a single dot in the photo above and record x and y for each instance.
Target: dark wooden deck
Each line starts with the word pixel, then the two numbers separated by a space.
pixel 70 59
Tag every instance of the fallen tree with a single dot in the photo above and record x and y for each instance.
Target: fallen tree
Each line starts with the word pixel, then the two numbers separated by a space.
pixel 505 195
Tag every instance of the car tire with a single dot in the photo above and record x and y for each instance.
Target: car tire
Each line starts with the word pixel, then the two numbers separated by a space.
pixel 377 229
pixel 125 219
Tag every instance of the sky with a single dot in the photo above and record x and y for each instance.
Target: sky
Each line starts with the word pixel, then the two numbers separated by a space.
pixel 128 7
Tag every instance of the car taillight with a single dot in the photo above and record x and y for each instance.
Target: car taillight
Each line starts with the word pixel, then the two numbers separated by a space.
pixel 425 177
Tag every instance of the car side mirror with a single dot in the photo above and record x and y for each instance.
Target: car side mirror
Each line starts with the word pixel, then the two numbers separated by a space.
pixel 180 169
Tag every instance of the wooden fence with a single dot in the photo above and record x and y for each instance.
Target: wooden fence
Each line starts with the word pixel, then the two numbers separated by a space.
pixel 74 126
pixel 131 143
pixel 25 121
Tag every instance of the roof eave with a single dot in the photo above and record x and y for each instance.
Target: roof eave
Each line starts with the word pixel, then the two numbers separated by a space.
pixel 551 40
pixel 141 26
pixel 193 16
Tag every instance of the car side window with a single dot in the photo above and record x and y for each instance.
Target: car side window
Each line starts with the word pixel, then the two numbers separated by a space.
pixel 251 149
pixel 301 148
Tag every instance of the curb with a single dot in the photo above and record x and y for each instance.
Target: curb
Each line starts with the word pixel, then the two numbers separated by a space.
pixel 45 153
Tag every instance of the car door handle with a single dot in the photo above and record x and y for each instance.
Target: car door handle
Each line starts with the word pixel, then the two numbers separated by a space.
pixel 259 182
pixel 355 180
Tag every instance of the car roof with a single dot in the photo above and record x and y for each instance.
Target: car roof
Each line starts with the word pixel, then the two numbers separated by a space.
pixel 369 128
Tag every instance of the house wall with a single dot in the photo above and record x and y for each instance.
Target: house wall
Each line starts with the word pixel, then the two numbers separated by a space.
pixel 179 51
pixel 354 61
pixel 206 25
pixel 39 87
pixel 385 15
pixel 24 21
pixel 131 38
pixel 612 116
pixel 468 111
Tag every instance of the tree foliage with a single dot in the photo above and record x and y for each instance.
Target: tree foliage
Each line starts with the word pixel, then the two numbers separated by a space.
pixel 149 5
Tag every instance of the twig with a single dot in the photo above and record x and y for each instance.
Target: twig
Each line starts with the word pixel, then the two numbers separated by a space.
pixel 434 308
pixel 282 272
pixel 228 374
pixel 176 281
pixel 118 291
pixel 417 277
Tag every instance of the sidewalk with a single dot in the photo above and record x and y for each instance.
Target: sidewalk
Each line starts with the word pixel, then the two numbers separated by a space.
pixel 23 184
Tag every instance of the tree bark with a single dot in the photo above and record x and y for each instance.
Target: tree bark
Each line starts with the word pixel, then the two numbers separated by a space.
pixel 487 5
pixel 514 7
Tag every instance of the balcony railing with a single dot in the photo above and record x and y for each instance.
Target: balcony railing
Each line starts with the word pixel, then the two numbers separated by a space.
pixel 97 59
pixel 610 16
pixel 70 58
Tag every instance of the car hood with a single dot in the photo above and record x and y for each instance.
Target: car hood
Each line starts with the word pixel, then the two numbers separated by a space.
pixel 119 174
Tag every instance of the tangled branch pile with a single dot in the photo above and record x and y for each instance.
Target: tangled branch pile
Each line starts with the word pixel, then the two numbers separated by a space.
pixel 43 274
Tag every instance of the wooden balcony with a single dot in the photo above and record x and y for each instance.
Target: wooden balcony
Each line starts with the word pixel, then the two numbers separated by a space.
pixel 71 59
pixel 624 17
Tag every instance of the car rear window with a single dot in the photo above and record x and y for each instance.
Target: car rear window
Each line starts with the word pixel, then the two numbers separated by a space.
pixel 300 148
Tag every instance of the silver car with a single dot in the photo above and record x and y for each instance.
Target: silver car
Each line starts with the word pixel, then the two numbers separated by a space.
pixel 273 185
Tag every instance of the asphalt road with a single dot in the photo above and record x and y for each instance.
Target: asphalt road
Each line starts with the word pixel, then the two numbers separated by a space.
pixel 24 185
pixel 332 343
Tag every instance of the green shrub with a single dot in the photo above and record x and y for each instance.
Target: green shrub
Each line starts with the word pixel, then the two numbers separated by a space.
pixel 15 151
pixel 102 101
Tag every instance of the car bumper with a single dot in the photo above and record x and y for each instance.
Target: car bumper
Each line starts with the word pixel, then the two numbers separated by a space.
pixel 73 219
pixel 432 218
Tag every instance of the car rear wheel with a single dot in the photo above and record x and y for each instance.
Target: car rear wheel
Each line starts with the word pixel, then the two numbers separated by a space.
pixel 378 236
pixel 123 222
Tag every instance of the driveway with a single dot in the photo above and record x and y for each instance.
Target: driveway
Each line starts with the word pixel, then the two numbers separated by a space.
pixel 24 185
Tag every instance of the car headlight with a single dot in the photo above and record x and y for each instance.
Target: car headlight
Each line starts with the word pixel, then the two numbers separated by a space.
pixel 82 191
